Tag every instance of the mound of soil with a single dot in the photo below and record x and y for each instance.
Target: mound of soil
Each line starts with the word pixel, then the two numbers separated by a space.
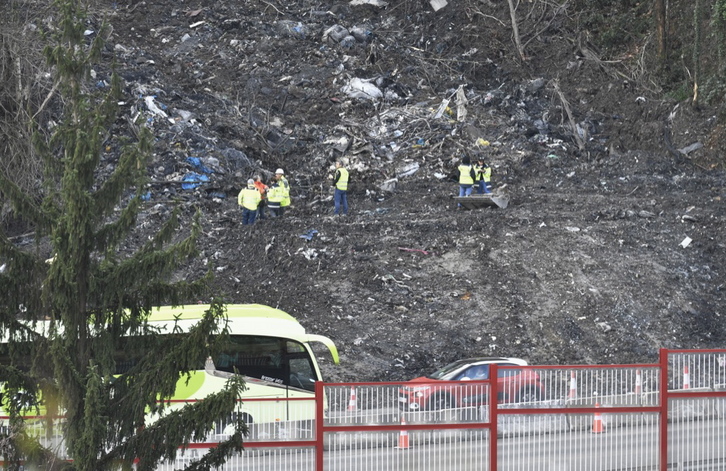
pixel 611 246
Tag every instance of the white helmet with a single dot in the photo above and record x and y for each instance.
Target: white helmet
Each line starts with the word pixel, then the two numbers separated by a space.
pixel 279 171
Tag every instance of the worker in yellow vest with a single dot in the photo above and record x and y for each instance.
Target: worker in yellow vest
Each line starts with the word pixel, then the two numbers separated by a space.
pixel 483 175
pixel 466 177
pixel 249 199
pixel 285 186
pixel 340 180
pixel 275 195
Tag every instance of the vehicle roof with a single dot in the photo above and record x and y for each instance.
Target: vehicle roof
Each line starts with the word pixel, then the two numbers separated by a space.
pixel 195 311
pixel 454 368
pixel 489 360
pixel 249 319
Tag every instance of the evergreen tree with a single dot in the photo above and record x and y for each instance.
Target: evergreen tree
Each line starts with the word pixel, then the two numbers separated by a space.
pixel 91 300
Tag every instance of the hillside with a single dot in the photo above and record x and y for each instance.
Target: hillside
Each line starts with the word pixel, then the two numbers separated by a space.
pixel 608 180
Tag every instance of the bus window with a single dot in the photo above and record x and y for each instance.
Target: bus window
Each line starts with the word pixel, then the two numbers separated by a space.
pixel 301 374
pixel 280 361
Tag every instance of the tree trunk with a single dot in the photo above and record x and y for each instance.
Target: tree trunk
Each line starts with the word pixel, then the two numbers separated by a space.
pixel 696 50
pixel 661 28
pixel 515 29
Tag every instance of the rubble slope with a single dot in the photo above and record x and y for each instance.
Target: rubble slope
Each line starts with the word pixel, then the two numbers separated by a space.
pixel 590 262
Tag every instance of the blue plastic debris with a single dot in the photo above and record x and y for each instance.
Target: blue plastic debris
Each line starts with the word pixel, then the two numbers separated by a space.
pixel 309 234
pixel 193 180
pixel 217 194
pixel 196 162
pixel 146 196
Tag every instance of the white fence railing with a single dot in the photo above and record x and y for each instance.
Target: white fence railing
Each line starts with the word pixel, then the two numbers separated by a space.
pixel 665 416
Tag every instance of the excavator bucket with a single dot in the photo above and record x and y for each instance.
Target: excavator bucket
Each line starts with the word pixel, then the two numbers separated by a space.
pixel 480 201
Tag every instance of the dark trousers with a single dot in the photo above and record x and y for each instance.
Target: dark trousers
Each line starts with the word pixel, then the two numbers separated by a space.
pixel 274 209
pixel 341 199
pixel 248 216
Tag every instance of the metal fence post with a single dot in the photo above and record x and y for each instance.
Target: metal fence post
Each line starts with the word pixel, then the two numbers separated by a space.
pixel 493 419
pixel 663 420
pixel 319 426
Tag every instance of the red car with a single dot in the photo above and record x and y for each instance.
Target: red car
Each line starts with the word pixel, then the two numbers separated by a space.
pixel 513 385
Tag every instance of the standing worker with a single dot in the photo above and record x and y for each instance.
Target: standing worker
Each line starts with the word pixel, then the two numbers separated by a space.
pixel 275 195
pixel 466 177
pixel 483 175
pixel 340 180
pixel 285 186
pixel 249 199
pixel 262 188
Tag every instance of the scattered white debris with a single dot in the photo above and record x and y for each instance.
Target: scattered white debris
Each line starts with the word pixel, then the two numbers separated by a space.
pixel 149 100
pixel 438 4
pixel 375 3
pixel 359 88
pixel 688 149
pixel 686 242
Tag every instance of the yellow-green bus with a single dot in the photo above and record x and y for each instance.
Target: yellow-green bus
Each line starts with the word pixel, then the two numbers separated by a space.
pixel 272 351
pixel 269 348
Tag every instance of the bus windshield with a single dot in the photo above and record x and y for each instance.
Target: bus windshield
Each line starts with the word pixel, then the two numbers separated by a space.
pixel 272 359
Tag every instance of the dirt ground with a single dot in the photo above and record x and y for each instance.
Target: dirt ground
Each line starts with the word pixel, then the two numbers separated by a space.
pixel 589 263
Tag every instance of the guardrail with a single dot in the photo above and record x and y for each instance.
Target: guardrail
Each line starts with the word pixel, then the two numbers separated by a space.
pixel 665 416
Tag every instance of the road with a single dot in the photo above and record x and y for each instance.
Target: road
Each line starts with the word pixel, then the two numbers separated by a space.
pixel 618 449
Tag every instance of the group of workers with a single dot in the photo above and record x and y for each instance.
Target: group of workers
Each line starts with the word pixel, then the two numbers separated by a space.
pixel 257 199
pixel 478 175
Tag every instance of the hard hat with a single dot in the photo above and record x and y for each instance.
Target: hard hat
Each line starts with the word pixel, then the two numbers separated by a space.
pixel 250 182
pixel 279 171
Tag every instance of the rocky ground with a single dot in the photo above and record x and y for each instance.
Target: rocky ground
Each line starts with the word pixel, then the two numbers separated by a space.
pixel 608 181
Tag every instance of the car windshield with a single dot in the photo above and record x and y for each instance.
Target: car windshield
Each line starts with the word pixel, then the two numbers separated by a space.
pixel 448 370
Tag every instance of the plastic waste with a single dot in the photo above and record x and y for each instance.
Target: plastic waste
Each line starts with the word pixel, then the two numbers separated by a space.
pixel 361 34
pixel 151 105
pixel 359 88
pixel 335 33
pixel 196 162
pixel 408 170
pixel 309 234
pixel 347 42
pixel 193 180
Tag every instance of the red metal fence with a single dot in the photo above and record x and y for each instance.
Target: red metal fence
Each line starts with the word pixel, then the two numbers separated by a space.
pixel 665 416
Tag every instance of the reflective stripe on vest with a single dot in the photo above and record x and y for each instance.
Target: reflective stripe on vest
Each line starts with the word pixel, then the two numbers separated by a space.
pixel 275 194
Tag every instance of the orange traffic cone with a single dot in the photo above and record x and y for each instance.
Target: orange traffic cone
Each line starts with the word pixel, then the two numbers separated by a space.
pixel 597 421
pixel 686 378
pixel 573 386
pixel 403 436
pixel 353 402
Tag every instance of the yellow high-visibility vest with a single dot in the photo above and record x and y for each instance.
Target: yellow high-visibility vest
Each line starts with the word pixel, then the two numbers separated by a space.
pixel 249 198
pixel 342 183
pixel 465 175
